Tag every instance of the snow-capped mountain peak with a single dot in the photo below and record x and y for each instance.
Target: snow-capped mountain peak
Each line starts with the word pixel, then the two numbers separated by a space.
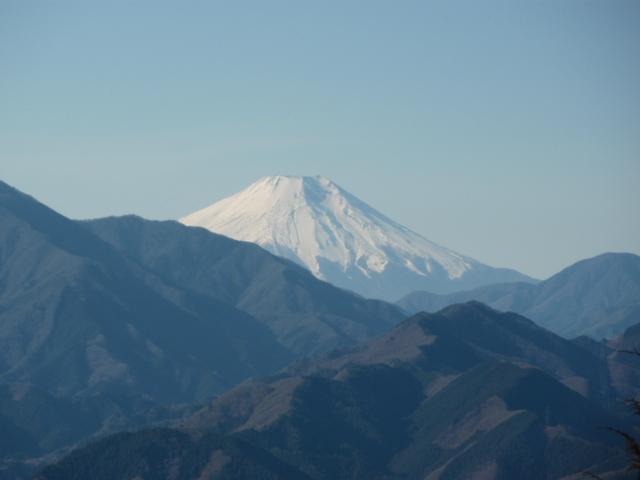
pixel 341 239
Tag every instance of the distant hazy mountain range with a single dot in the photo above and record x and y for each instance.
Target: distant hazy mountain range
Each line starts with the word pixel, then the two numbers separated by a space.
pixel 465 393
pixel 341 239
pixel 598 297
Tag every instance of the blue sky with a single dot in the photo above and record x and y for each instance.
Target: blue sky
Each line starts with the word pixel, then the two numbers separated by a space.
pixel 507 130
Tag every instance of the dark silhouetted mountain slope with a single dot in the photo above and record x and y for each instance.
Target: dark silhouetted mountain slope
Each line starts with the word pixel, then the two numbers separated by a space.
pixel 161 454
pixel 307 315
pixel 467 392
pixel 77 317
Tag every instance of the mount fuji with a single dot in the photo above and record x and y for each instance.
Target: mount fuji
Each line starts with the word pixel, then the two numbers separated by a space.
pixel 342 240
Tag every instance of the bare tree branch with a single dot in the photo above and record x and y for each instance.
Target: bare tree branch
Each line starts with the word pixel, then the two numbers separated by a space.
pixel 632 446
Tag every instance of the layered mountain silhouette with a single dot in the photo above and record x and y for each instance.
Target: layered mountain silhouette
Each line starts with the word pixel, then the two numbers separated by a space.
pixel 118 322
pixel 341 239
pixel 467 392
pixel 129 324
pixel 80 318
pixel 598 297
pixel 305 314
